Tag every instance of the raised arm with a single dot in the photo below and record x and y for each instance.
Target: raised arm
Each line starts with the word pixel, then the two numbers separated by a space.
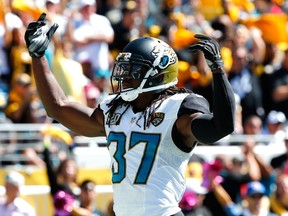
pixel 207 128
pixel 75 116
pixel 210 128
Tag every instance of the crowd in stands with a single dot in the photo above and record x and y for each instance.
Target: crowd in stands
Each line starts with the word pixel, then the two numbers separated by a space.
pixel 254 46
pixel 13 203
pixel 239 185
pixel 252 36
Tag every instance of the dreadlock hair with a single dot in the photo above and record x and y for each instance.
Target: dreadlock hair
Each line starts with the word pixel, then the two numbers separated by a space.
pixel 149 111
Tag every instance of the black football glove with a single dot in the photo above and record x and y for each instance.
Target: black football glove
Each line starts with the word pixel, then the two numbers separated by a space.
pixel 210 49
pixel 37 38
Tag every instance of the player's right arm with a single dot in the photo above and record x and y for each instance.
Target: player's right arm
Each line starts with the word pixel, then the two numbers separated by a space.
pixel 75 116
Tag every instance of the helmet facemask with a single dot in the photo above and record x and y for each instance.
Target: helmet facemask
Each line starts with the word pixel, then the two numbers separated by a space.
pixel 129 71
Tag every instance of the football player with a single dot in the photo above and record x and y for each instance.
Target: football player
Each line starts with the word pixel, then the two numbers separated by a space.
pixel 151 126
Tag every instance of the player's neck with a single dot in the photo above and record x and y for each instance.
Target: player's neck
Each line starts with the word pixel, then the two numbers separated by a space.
pixel 143 101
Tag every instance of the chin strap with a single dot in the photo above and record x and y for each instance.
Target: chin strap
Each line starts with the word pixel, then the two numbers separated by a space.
pixel 131 94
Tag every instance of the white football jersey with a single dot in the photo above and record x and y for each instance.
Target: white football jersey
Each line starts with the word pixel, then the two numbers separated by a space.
pixel 148 169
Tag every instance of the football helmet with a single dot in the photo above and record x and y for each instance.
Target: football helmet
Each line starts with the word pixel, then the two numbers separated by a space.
pixel 151 61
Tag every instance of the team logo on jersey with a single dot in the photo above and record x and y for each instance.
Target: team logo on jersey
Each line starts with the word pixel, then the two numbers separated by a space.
pixel 157 118
pixel 112 120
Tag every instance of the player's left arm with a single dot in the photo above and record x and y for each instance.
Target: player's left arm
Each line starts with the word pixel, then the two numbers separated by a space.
pixel 202 126
pixel 209 128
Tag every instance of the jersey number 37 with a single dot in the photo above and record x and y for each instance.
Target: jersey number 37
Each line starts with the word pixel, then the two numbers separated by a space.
pixel 151 142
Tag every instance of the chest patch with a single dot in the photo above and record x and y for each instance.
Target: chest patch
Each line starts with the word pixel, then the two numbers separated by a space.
pixel 157 118
pixel 112 120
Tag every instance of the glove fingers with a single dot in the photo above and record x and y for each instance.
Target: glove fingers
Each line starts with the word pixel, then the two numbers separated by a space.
pixel 35 25
pixel 35 34
pixel 207 39
pixel 39 23
pixel 196 47
pixel 202 37
pixel 42 17
pixel 36 37
pixel 52 30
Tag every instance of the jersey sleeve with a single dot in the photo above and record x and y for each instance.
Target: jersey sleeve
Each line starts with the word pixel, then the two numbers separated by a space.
pixel 103 105
pixel 194 103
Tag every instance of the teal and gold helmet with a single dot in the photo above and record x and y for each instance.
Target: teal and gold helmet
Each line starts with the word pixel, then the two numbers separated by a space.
pixel 147 59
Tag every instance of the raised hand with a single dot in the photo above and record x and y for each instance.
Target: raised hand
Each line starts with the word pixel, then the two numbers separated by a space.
pixel 210 49
pixel 37 38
